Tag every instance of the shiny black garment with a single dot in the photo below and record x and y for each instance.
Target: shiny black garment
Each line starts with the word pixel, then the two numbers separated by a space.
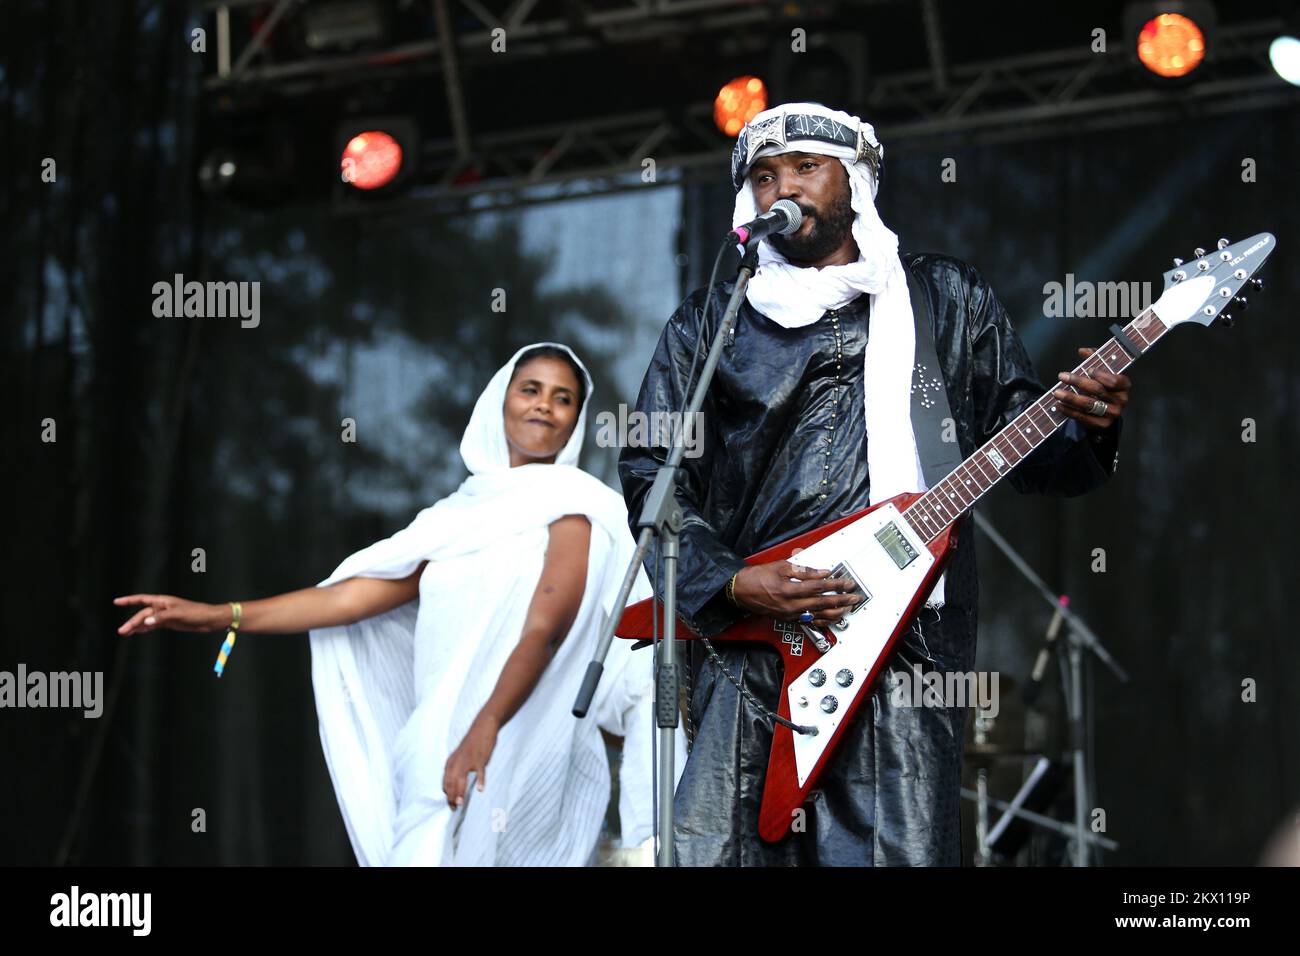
pixel 784 451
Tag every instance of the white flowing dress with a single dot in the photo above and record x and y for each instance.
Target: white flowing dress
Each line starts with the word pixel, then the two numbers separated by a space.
pixel 396 693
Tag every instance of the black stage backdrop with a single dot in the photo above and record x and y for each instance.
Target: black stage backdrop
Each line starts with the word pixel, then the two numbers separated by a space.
pixel 177 434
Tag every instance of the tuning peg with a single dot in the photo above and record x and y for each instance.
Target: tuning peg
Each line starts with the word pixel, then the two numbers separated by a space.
pixel 1221 244
pixel 1257 284
pixel 1242 302
pixel 1178 262
pixel 1198 252
pixel 1227 320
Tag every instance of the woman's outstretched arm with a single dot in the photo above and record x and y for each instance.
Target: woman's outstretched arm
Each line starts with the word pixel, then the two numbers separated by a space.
pixel 293 612
pixel 554 608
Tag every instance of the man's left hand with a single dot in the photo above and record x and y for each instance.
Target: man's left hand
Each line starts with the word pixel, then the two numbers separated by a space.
pixel 1112 390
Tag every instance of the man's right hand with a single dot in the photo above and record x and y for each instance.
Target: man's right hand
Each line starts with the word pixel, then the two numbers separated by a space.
pixel 768 589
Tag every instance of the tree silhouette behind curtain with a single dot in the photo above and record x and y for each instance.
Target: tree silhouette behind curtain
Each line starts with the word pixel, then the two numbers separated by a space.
pixel 175 434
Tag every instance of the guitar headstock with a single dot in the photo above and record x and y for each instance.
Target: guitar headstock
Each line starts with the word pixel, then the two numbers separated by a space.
pixel 1202 289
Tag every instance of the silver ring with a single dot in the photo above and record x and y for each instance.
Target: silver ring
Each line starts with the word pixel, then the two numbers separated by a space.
pixel 1099 408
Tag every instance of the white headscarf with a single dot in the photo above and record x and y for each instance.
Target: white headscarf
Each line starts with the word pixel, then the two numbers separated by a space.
pixel 794 296
pixel 484 447
pixel 394 693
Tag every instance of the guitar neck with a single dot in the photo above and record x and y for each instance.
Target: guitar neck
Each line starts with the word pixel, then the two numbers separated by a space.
pixel 957 493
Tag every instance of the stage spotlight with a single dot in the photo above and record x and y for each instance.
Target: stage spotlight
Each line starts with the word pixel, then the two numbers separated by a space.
pixel 371 159
pixel 218 170
pixel 377 156
pixel 343 25
pixel 1171 45
pixel 249 173
pixel 833 69
pixel 1284 51
pixel 1171 38
pixel 739 102
pixel 1284 54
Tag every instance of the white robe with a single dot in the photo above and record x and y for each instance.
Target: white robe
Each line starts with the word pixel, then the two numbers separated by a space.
pixel 396 693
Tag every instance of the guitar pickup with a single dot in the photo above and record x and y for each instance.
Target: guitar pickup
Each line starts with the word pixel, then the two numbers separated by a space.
pixel 896 545
pixel 845 570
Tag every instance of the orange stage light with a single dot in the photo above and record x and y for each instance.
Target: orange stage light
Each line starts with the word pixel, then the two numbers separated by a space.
pixel 371 159
pixel 739 102
pixel 1171 45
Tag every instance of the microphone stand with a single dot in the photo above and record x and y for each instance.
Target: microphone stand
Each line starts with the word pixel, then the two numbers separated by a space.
pixel 1038 819
pixel 661 518
pixel 1080 637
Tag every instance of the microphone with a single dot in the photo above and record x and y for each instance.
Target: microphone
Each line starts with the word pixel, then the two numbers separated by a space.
pixel 783 218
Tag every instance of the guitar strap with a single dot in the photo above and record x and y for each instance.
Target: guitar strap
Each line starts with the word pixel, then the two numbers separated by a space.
pixel 931 414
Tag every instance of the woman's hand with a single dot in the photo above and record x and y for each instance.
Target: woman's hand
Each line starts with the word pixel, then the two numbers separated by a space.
pixel 472 755
pixel 172 613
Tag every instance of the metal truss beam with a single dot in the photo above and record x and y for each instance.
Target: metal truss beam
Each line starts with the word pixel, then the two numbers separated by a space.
pixel 1016 99
pixel 1037 95
pixel 529 32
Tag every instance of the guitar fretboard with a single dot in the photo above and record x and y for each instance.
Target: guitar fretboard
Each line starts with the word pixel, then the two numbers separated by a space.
pixel 955 494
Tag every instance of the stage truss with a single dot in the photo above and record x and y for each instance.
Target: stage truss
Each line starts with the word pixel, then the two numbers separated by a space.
pixel 1032 96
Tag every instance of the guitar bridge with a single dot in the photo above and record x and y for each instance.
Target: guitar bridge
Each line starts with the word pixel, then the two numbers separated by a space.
pixel 823 646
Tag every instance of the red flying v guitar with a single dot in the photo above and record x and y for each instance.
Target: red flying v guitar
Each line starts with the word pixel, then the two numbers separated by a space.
pixel 896 550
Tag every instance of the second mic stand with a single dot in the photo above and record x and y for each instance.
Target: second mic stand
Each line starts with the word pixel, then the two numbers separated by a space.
pixel 1080 637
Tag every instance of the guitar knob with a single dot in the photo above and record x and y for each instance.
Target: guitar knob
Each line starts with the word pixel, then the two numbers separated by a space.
pixel 1257 284
pixel 1242 302
pixel 1177 261
pixel 817 677
pixel 844 677
pixel 1221 244
pixel 1227 320
pixel 1198 252
pixel 829 703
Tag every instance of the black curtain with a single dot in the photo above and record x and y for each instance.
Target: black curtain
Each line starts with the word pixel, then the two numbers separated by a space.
pixel 200 457
pixel 176 434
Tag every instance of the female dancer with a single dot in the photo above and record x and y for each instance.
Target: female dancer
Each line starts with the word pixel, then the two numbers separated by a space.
pixel 446 658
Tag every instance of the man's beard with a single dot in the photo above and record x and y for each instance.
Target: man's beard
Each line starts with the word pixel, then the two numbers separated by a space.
pixel 827 233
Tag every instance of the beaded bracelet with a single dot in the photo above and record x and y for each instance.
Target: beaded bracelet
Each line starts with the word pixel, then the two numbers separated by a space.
pixel 236 611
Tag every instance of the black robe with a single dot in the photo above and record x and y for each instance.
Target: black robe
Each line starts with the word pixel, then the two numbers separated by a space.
pixel 784 451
